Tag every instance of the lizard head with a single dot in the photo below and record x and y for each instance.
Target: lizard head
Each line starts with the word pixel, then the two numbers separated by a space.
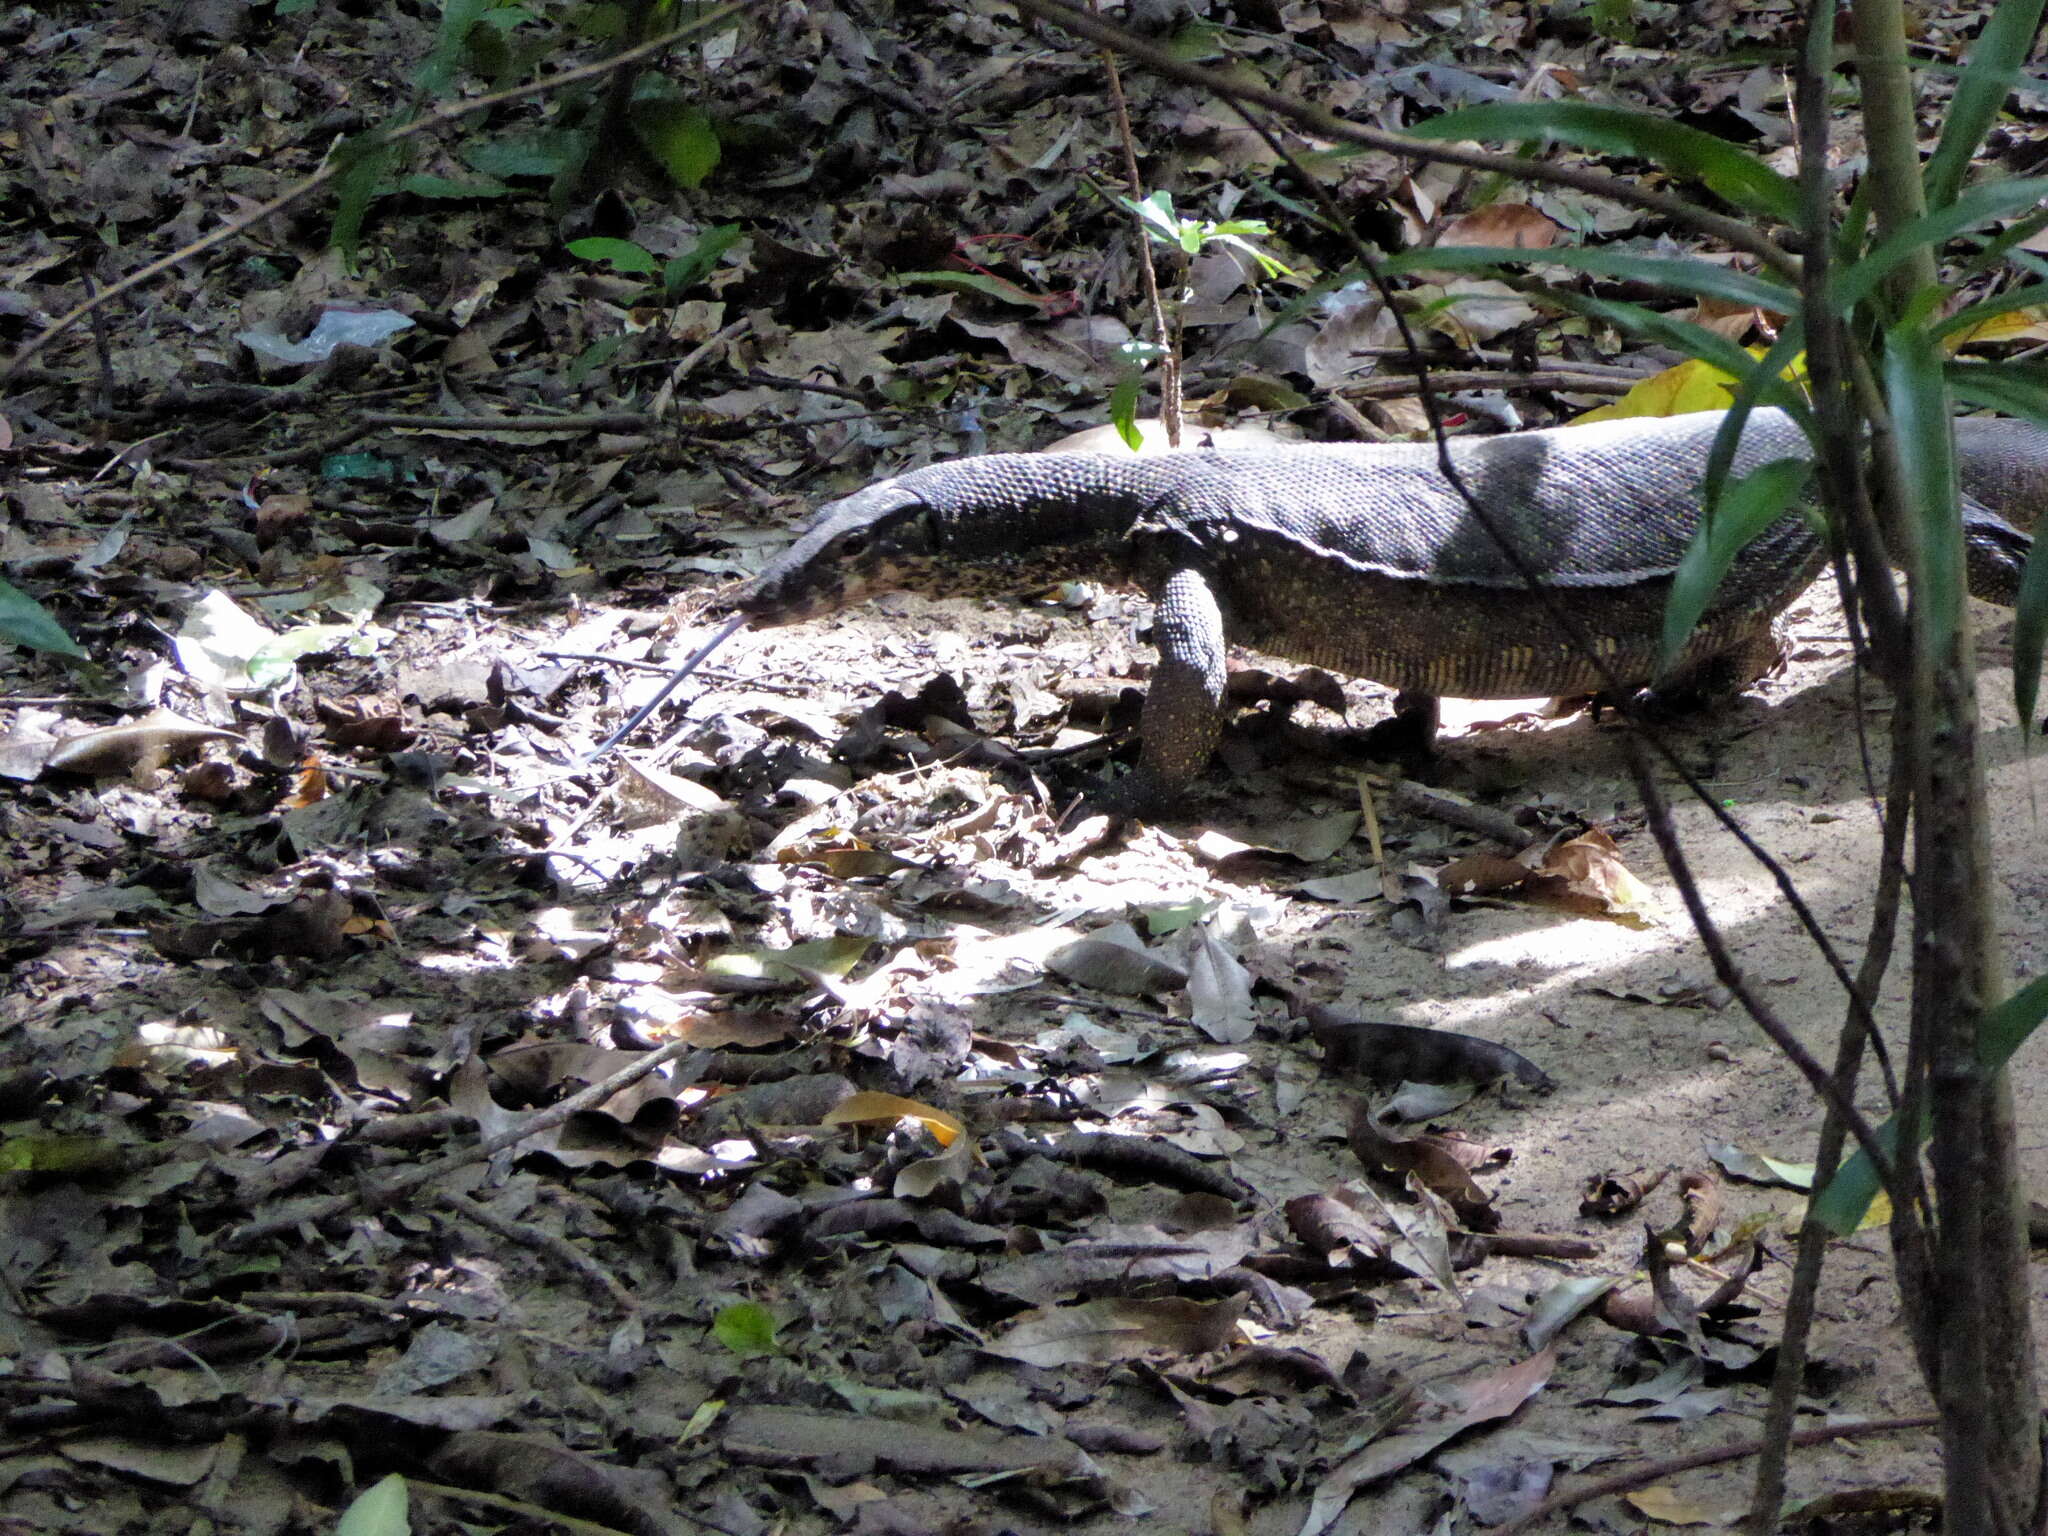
pixel 874 541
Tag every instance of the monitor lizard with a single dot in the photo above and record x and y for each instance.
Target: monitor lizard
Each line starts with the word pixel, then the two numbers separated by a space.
pixel 1363 558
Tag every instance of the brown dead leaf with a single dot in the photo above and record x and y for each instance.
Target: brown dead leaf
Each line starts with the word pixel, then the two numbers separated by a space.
pixel 1433 1160
pixel 1119 1328
pixel 1667 1506
pixel 1453 1409
pixel 1508 224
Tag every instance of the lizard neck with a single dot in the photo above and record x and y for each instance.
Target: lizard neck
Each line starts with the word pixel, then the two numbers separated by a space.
pixel 1005 505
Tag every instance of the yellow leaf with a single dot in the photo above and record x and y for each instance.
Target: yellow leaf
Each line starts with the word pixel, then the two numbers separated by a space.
pixel 887 1108
pixel 1667 1505
pixel 1681 390
pixel 2029 324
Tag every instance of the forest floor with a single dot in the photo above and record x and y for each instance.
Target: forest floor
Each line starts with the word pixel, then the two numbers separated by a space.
pixel 946 1205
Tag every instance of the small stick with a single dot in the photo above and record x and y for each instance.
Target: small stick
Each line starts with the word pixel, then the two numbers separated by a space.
pixel 675 680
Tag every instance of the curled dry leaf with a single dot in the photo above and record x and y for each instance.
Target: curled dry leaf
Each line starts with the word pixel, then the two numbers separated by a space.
pixel 1616 1194
pixel 1436 1162
pixel 797 1437
pixel 1143 1159
pixel 1700 1194
pixel 139 747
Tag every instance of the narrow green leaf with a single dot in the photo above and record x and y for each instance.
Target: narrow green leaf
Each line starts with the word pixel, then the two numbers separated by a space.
pixel 1976 206
pixel 1157 215
pixel 1917 395
pixel 436 73
pixel 1732 173
pixel 530 152
pixel 2018 389
pixel 1840 1205
pixel 591 358
pixel 2030 636
pixel 2001 1031
pixel 1762 381
pixel 974 282
pixel 1636 320
pixel 1996 59
pixel 1703 278
pixel 2000 249
pixel 2006 1028
pixel 448 189
pixel 1750 506
pixel 1123 411
pixel 364 160
pixel 24 621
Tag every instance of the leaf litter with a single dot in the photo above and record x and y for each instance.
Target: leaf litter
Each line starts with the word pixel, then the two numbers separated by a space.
pixel 327 951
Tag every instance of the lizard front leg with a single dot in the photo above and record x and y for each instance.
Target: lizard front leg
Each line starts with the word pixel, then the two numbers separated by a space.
pixel 1183 713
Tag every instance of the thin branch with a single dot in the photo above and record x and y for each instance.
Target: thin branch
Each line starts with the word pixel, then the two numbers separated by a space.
pixel 1713 1456
pixel 1169 364
pixel 1658 811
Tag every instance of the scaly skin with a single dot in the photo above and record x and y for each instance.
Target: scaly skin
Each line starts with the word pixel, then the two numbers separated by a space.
pixel 1364 559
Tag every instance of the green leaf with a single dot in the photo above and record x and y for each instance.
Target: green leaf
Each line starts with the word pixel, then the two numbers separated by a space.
pixel 680 136
pixel 620 255
pixel 1123 411
pixel 2030 635
pixel 436 73
pixel 2018 389
pixel 746 1328
pixel 1272 266
pixel 364 159
pixel 695 264
pixel 1704 278
pixel 1917 395
pixel 379 1510
pixel 1732 173
pixel 591 358
pixel 974 282
pixel 1156 213
pixel 1750 506
pixel 1615 19
pixel 2000 248
pixel 24 621
pixel 1995 63
pixel 1976 206
pixel 2008 1026
pixel 1763 381
pixel 448 189
pixel 1840 1205
pixel 1636 320
pixel 2001 1031
pixel 530 152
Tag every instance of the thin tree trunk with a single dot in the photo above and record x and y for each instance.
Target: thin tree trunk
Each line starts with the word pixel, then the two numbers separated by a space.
pixel 1983 1337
